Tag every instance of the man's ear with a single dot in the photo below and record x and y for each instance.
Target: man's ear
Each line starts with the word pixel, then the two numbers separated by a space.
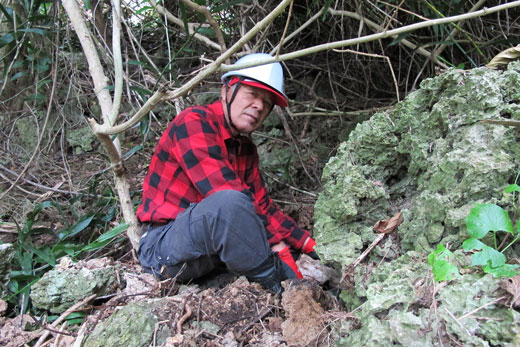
pixel 223 92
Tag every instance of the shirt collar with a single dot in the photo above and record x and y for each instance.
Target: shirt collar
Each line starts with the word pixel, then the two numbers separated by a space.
pixel 218 110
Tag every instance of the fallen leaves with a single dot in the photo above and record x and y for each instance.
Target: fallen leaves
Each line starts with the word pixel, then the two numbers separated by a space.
pixel 512 286
pixel 386 226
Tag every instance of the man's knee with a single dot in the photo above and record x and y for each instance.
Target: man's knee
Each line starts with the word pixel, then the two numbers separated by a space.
pixel 231 198
pixel 226 203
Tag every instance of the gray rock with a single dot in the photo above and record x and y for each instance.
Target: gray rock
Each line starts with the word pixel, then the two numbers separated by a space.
pixel 399 309
pixel 6 256
pixel 134 325
pixel 429 157
pixel 62 287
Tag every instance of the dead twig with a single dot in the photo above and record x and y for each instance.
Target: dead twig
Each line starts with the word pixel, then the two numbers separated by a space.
pixel 384 227
pixel 481 307
pixel 61 318
pixel 257 318
pixel 204 10
pixel 185 316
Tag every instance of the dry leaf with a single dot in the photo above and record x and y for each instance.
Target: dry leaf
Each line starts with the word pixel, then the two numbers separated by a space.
pixel 388 225
pixel 512 286
pixel 505 57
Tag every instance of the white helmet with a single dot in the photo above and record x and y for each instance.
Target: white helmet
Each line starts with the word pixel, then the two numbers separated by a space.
pixel 267 76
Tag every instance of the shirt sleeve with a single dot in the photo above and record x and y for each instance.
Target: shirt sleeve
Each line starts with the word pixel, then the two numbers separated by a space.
pixel 280 227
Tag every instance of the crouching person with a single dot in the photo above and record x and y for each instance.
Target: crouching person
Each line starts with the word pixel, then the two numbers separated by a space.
pixel 204 200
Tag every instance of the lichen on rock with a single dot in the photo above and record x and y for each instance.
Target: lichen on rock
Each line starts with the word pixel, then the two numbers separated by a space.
pixel 404 306
pixel 6 256
pixel 428 157
pixel 134 325
pixel 64 286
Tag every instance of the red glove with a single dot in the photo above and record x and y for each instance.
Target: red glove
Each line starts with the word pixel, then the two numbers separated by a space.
pixel 289 266
pixel 309 249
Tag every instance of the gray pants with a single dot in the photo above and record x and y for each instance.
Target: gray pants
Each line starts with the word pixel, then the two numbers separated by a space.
pixel 222 228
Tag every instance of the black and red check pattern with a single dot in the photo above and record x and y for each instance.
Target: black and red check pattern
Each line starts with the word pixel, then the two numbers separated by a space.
pixel 198 156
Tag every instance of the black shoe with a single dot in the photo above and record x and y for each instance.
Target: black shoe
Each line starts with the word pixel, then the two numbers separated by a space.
pixel 267 275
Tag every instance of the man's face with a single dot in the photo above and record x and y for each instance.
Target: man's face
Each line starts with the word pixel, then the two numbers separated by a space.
pixel 249 109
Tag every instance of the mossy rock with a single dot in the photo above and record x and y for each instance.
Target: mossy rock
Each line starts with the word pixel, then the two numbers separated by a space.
pixel 402 305
pixel 429 157
pixel 134 325
pixel 60 288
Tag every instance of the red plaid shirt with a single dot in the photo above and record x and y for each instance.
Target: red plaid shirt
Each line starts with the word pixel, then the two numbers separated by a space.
pixel 197 156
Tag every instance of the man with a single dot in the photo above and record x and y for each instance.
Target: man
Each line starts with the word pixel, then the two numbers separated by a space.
pixel 204 200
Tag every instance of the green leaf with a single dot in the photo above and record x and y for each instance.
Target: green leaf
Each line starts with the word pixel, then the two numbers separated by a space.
pixel 76 229
pixel 105 238
pixel 444 271
pixel 472 244
pixel 143 125
pixel 144 9
pixel 487 217
pixel 18 75
pixel 325 10
pixel 33 30
pixel 132 152
pixel 6 39
pixel 45 254
pixel 143 92
pixel 227 4
pixel 36 97
pixel 488 255
pixel 209 32
pixel 512 188
pixel 506 270
pixel 8 12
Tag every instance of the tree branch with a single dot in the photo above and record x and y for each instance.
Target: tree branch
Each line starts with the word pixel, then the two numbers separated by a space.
pixel 204 10
pixel 180 24
pixel 207 71
pixel 378 28
pixel 391 33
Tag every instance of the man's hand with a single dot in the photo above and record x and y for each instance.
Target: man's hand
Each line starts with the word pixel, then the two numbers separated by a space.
pixel 289 267
pixel 308 248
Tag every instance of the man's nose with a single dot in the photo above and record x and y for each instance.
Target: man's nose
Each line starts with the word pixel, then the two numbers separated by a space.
pixel 258 103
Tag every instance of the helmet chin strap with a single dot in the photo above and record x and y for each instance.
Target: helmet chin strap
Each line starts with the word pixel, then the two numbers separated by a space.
pixel 229 102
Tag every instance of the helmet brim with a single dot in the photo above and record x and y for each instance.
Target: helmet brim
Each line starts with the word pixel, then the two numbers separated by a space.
pixel 279 99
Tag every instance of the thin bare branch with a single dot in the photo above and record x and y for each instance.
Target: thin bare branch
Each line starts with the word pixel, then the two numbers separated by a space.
pixel 180 24
pixel 391 33
pixel 204 10
pixel 377 56
pixel 285 29
pixel 188 86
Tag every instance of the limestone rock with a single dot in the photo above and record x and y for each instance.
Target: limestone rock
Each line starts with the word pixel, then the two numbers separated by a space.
pixel 81 139
pixel 399 309
pixel 134 325
pixel 66 285
pixel 6 256
pixel 428 157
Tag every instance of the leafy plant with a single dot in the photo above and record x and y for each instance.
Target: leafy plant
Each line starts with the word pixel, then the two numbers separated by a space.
pixel 443 270
pixel 32 261
pixel 482 220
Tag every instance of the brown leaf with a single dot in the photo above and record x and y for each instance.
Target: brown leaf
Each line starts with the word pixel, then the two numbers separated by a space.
pixel 388 225
pixel 512 286
pixel 505 57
